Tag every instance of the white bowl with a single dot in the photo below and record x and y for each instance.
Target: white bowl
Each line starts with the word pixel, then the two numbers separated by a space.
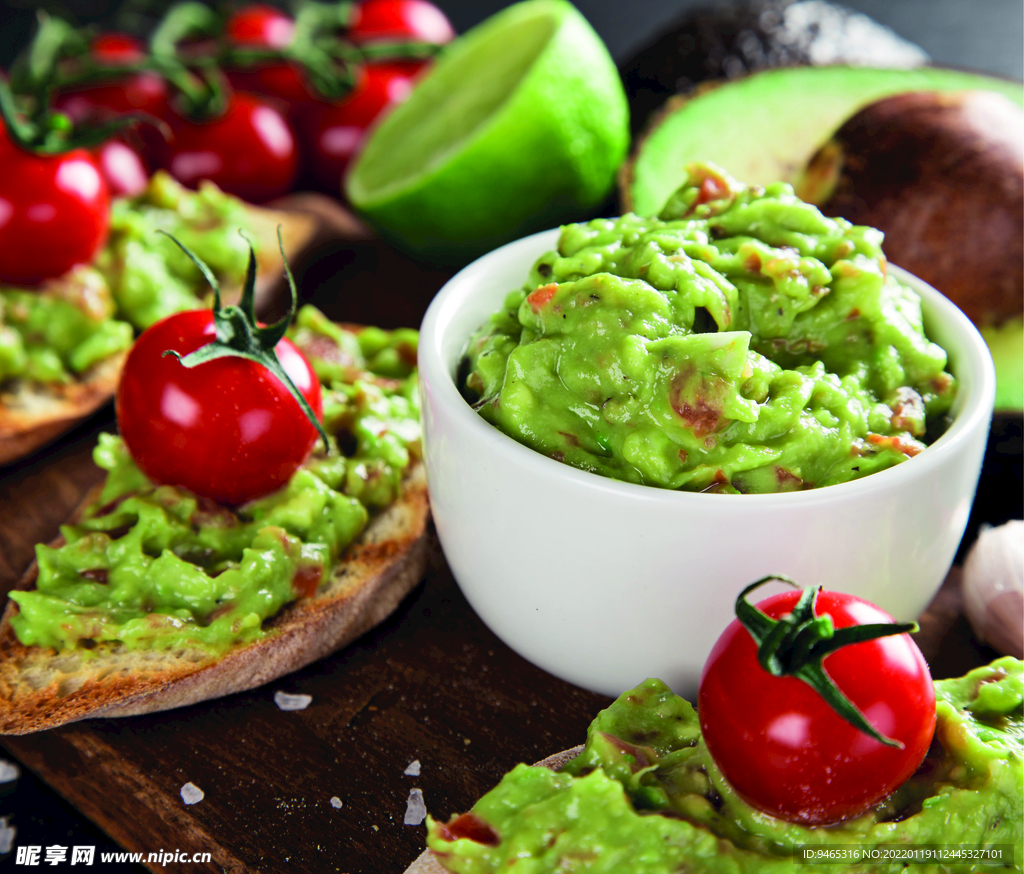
pixel 604 583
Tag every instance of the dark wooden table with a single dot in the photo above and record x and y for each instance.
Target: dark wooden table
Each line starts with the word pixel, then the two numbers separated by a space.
pixel 431 684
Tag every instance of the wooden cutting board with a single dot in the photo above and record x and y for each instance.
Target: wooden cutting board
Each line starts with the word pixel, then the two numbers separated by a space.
pixel 432 684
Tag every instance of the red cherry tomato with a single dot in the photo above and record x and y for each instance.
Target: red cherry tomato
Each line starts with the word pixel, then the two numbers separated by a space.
pixel 117 48
pixel 227 429
pixel 122 169
pixel 334 133
pixel 261 26
pixel 785 750
pixel 134 92
pixel 54 213
pixel 392 20
pixel 249 151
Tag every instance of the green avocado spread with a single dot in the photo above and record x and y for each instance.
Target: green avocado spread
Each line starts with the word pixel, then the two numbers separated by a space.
pixel 157 567
pixel 740 342
pixel 645 797
pixel 55 333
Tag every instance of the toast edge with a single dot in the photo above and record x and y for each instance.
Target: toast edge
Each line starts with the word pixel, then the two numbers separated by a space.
pixel 426 862
pixel 383 565
pixel 22 433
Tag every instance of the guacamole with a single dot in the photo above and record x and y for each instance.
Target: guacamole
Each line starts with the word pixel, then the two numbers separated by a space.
pixel 150 276
pixel 54 334
pixel 645 797
pixel 157 567
pixel 740 342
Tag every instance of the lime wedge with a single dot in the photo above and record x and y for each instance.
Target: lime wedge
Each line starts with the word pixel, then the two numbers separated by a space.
pixel 520 125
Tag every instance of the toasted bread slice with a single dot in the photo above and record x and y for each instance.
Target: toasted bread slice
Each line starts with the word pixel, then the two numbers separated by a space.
pixel 427 863
pixel 41 688
pixel 32 414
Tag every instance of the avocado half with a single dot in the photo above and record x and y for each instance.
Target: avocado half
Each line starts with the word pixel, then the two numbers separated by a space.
pixel 766 127
pixel 729 40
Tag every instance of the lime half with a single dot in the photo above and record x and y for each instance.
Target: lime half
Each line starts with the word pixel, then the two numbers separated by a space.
pixel 520 125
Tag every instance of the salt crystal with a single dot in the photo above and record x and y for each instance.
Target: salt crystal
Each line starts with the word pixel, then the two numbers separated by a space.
pixel 8 771
pixel 415 809
pixel 191 794
pixel 414 769
pixel 7 833
pixel 336 803
pixel 292 702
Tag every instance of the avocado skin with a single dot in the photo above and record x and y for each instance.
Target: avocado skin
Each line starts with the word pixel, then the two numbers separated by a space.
pixel 731 40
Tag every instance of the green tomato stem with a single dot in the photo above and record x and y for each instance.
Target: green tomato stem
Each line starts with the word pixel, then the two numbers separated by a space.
pixel 238 335
pixel 796 644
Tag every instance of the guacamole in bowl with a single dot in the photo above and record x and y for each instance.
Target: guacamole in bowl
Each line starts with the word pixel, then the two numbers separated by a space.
pixel 600 580
pixel 741 342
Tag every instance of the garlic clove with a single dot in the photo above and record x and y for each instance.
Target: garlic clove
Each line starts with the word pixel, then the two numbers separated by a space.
pixel 993 587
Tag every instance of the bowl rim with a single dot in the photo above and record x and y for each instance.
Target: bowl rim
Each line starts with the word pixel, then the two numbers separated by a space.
pixel 970 350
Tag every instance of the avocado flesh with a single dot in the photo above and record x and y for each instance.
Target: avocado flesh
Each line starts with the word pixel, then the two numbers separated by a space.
pixel 1006 343
pixel 766 127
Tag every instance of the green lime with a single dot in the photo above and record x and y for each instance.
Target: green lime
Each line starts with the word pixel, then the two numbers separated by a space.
pixel 520 125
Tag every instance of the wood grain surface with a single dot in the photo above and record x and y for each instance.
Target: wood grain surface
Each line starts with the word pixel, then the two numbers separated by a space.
pixel 431 684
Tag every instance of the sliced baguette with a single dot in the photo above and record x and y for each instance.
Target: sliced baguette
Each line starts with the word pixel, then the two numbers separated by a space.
pixel 41 688
pixel 427 862
pixel 32 414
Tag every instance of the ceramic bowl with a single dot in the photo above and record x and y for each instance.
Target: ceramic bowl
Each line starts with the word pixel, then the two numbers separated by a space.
pixel 604 583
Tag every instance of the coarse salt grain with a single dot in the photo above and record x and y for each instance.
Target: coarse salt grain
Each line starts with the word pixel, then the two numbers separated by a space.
pixel 413 770
pixel 8 771
pixel 192 794
pixel 336 803
pixel 292 702
pixel 415 809
pixel 7 833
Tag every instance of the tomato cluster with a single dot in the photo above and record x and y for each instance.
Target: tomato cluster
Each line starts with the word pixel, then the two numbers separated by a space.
pixel 275 130
pixel 258 131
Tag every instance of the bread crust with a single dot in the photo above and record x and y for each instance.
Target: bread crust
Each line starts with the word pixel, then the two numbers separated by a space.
pixel 33 414
pixel 426 862
pixel 41 688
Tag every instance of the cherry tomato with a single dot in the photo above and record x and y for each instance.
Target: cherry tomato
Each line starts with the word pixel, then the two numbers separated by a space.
pixel 249 151
pixel 262 26
pixel 122 168
pixel 785 750
pixel 334 133
pixel 393 20
pixel 117 48
pixel 134 92
pixel 54 213
pixel 227 429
